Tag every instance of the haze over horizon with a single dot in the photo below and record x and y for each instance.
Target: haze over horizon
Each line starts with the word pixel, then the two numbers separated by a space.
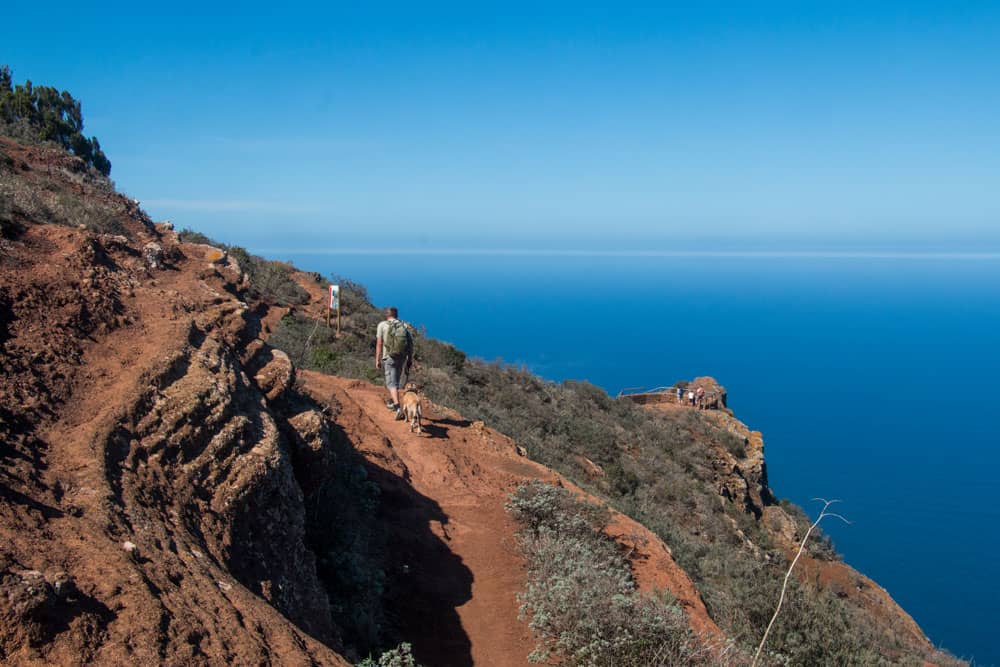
pixel 724 126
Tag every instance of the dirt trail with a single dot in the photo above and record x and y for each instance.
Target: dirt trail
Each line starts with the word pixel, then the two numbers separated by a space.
pixel 455 539
pixel 448 487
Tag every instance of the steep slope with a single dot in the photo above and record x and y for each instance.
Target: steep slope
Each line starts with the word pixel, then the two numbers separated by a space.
pixel 741 478
pixel 150 512
pixel 745 478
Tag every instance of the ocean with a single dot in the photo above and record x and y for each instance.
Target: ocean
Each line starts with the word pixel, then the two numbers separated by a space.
pixel 870 376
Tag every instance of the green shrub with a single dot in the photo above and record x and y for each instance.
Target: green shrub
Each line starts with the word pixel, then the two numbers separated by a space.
pixel 269 281
pixel 542 507
pixel 8 226
pixel 43 113
pixel 187 235
pixel 436 354
pixel 311 344
pixel 45 199
pixel 401 656
pixel 581 598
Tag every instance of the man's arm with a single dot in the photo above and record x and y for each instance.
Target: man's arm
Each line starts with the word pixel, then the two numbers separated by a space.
pixel 378 352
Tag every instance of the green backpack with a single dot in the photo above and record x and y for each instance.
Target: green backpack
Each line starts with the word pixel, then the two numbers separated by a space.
pixel 397 340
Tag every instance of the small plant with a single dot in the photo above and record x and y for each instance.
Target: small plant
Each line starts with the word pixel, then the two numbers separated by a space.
pixel 190 236
pixel 581 598
pixel 542 507
pixel 401 656
pixel 269 281
pixel 45 199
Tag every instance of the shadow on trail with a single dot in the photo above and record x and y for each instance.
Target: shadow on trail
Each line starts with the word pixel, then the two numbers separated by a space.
pixel 426 581
pixel 406 532
pixel 461 423
pixel 436 431
pixel 438 428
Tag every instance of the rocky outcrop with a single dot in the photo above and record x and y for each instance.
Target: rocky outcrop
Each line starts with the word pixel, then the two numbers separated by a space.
pixel 712 395
pixel 151 512
pixel 739 466
pixel 199 463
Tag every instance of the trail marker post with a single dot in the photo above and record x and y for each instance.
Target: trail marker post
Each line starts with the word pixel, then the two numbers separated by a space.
pixel 334 304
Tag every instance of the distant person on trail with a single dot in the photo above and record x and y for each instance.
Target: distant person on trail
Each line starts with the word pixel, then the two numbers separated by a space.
pixel 691 397
pixel 680 396
pixel 393 354
pixel 701 398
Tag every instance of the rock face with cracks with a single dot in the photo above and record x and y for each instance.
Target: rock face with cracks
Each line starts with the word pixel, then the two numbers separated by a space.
pixel 150 509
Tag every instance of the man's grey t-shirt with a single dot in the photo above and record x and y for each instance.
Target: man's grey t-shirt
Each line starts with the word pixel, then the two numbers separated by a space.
pixel 381 331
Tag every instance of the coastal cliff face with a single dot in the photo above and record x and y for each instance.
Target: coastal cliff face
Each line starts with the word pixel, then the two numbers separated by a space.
pixel 174 491
pixel 739 474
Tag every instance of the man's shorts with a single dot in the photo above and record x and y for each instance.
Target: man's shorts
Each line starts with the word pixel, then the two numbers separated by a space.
pixel 393 370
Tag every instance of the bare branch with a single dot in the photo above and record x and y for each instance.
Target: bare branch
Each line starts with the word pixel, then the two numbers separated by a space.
pixel 784 586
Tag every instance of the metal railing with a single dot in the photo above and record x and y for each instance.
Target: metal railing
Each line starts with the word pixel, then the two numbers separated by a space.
pixel 632 391
pixel 671 391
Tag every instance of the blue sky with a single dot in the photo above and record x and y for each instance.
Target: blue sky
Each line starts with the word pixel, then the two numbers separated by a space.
pixel 570 125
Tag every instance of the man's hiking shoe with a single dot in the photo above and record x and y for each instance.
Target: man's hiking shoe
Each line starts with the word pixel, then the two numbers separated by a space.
pixel 391 405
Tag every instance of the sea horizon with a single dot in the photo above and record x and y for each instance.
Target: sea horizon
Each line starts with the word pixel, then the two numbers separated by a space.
pixel 988 255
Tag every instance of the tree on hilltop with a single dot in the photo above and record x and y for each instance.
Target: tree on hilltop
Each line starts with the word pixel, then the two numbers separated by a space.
pixel 44 113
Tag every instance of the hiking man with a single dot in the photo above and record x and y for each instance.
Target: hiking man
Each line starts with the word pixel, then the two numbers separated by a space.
pixel 393 354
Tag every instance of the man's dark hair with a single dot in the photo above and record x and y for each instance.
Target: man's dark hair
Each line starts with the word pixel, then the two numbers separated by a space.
pixel 391 311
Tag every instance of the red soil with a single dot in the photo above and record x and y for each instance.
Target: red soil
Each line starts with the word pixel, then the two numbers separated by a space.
pixel 462 474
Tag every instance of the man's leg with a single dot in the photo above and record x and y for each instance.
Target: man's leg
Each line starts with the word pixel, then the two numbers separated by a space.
pixel 392 379
pixel 393 373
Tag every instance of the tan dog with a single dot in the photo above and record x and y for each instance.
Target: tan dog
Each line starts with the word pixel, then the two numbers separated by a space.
pixel 409 405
